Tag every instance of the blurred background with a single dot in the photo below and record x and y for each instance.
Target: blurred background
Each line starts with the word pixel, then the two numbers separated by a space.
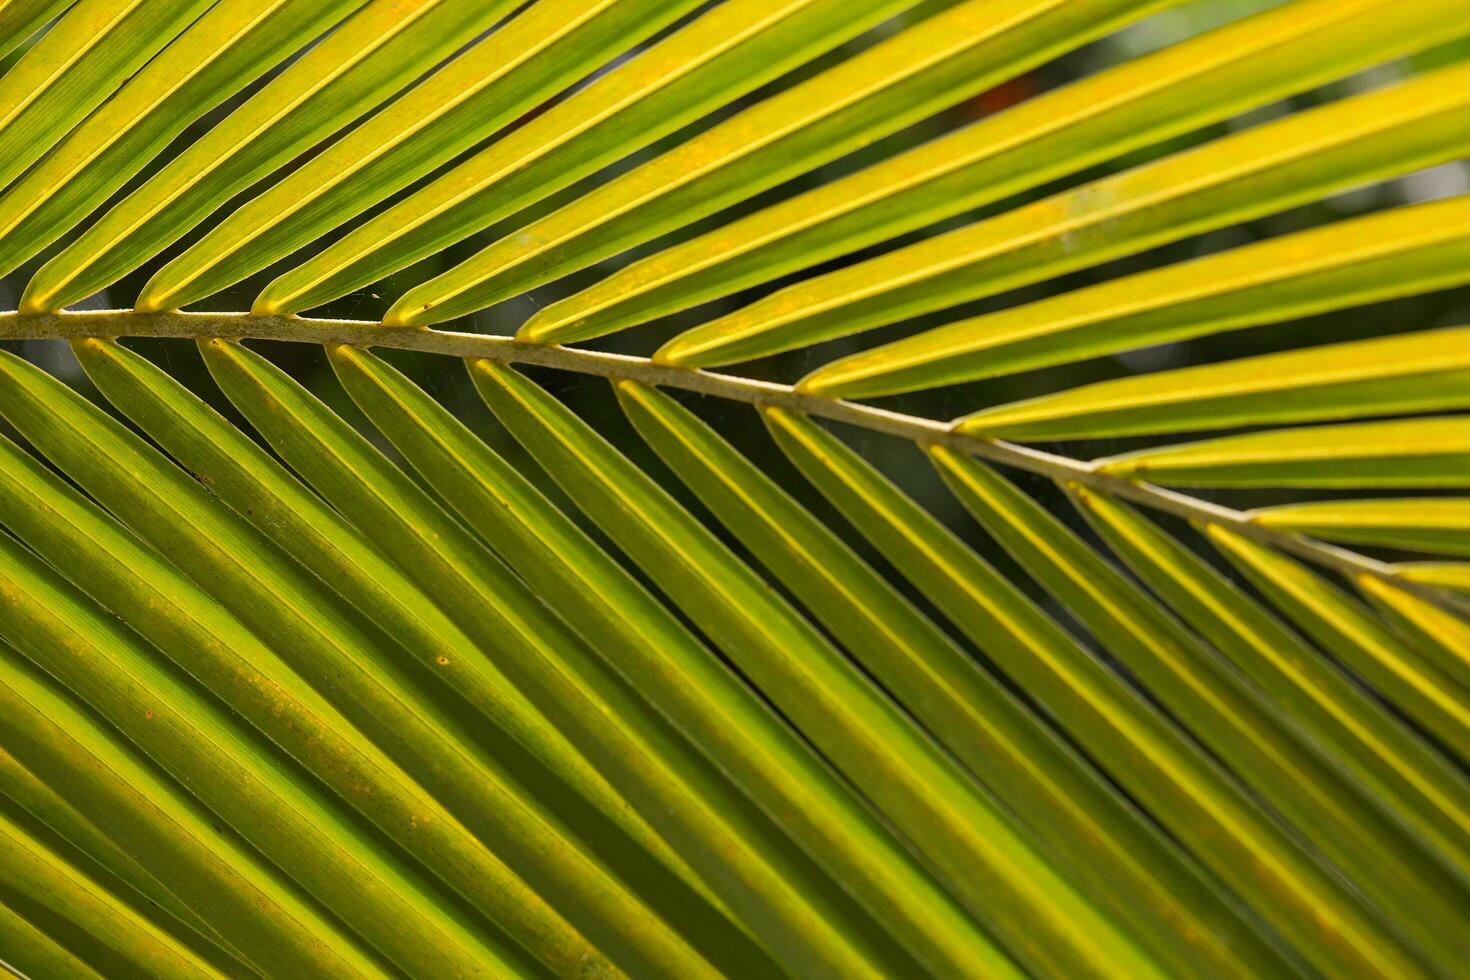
pixel 592 398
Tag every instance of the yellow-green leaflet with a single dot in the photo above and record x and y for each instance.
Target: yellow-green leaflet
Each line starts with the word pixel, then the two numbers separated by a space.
pixel 80 841
pixel 32 953
pixel 731 50
pixel 1272 167
pixel 847 719
pixel 325 646
pixel 1444 638
pixel 374 53
pixel 1385 376
pixel 121 941
pixel 143 948
pixel 939 61
pixel 1433 524
pixel 1423 452
pixel 539 52
pixel 741 854
pixel 1303 894
pixel 19 19
pixel 1405 774
pixel 1394 253
pixel 238 471
pixel 242 474
pixel 1138 747
pixel 1394 782
pixel 262 918
pixel 1100 840
pixel 1152 98
pixel 563 901
pixel 1449 574
pixel 1425 694
pixel 1027 536
pixel 76 66
pixel 225 50
pixel 583 584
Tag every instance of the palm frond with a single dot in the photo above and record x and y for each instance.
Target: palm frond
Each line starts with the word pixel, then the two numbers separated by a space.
pixel 1428 524
pixel 1423 452
pixel 1105 116
pixel 732 674
pixel 1301 158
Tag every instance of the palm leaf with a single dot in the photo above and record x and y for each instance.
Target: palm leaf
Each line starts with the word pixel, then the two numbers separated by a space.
pixel 1428 524
pixel 359 673
pixel 955 53
pixel 1269 168
pixel 1427 452
pixel 1058 133
pixel 1385 376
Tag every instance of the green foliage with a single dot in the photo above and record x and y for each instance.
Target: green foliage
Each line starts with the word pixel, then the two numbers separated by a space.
pixel 364 674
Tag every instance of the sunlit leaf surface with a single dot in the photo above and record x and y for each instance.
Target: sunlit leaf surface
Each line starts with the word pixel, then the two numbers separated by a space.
pixel 1071 579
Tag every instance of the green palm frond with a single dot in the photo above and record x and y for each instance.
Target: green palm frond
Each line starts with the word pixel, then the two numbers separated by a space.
pixel 1025 670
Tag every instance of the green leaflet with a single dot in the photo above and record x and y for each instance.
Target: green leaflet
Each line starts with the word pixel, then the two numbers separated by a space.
pixel 1385 376
pixel 560 884
pixel 546 47
pixel 1102 840
pixel 399 738
pixel 737 851
pixel 1424 693
pixel 220 54
pixel 1404 773
pixel 1444 638
pixel 263 919
pixel 1340 933
pixel 729 51
pixel 241 473
pixel 938 62
pixel 35 954
pixel 1432 524
pixel 844 716
pixel 343 76
pixel 1450 575
pixel 1087 699
pixel 19 19
pixel 1421 452
pixel 1139 102
pixel 232 663
pixel 301 524
pixel 1394 253
pixel 84 845
pixel 356 695
pixel 75 67
pixel 1300 158
pixel 118 941
pixel 1391 791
